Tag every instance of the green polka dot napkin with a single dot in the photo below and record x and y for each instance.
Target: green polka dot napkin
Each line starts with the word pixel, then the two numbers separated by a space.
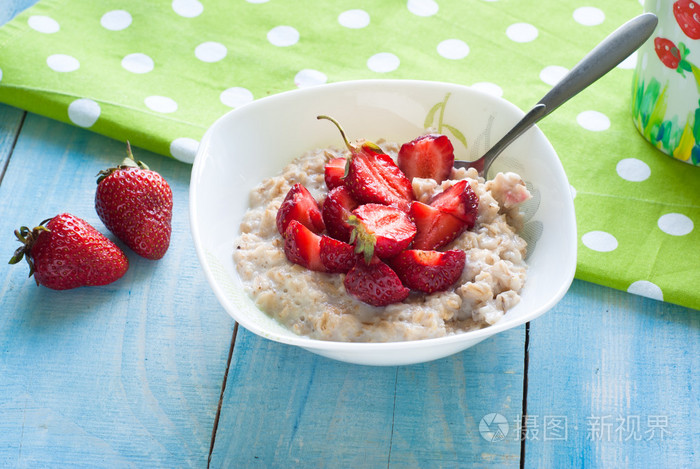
pixel 159 72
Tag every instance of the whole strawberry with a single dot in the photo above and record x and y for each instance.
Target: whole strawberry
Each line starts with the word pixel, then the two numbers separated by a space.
pixel 66 252
pixel 136 204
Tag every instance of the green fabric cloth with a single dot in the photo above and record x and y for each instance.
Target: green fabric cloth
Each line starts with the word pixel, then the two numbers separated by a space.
pixel 637 209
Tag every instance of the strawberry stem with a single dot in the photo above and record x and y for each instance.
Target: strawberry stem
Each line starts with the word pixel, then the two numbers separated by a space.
pixel 342 132
pixel 362 238
pixel 128 162
pixel 27 237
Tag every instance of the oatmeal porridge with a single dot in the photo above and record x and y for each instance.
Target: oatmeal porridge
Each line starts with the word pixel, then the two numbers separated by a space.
pixel 316 304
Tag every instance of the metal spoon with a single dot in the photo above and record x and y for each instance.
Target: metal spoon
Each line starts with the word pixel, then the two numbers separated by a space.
pixel 604 57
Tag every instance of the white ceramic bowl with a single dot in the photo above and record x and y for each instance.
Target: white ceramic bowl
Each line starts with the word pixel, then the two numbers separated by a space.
pixel 257 140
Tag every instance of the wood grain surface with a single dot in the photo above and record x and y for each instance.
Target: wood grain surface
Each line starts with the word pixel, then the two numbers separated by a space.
pixel 128 373
pixel 150 371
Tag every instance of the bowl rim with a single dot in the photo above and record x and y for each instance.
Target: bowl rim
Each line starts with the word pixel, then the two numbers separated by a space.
pixel 342 346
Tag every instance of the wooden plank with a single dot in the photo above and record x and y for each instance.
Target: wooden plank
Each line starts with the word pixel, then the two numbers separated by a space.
pixel 10 123
pixel 11 8
pixel 622 371
pixel 285 407
pixel 114 376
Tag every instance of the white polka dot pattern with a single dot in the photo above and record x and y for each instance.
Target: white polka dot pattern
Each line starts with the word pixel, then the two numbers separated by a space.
pixel 600 241
pixel 675 224
pixel 184 149
pixel 423 7
pixel 633 169
pixel 43 24
pixel 283 36
pixel 62 63
pixel 161 104
pixel 116 20
pixel 522 32
pixel 454 49
pixel 236 96
pixel 593 120
pixel 187 8
pixel 354 19
pixel 589 16
pixel 551 74
pixel 646 288
pixel 309 77
pixel 138 63
pixel 84 112
pixel 383 62
pixel 210 51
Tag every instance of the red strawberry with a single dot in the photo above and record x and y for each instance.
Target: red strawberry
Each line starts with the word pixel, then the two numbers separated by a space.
pixel 302 246
pixel 381 230
pixel 334 172
pixel 375 283
pixel 136 204
pixel 299 205
pixel 68 253
pixel 336 209
pixel 458 200
pixel 373 177
pixel 435 228
pixel 687 13
pixel 428 156
pixel 336 256
pixel 429 271
pixel 668 52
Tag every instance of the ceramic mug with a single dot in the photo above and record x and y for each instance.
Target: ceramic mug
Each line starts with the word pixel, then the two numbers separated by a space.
pixel 666 86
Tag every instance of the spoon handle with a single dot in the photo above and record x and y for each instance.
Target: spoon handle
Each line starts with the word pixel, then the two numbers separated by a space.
pixel 531 118
pixel 604 57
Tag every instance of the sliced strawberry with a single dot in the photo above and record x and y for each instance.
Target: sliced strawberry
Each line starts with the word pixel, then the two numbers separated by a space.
pixel 299 205
pixel 337 256
pixel 381 230
pixel 302 246
pixel 435 228
pixel 428 156
pixel 429 271
pixel 375 283
pixel 336 209
pixel 458 200
pixel 373 177
pixel 334 172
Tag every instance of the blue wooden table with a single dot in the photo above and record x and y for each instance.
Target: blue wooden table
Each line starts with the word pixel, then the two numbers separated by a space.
pixel 151 372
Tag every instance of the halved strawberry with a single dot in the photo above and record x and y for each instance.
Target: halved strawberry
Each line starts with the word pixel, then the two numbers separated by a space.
pixel 336 209
pixel 429 271
pixel 302 246
pixel 334 171
pixel 428 156
pixel 373 177
pixel 337 256
pixel 375 283
pixel 299 205
pixel 381 230
pixel 458 200
pixel 435 228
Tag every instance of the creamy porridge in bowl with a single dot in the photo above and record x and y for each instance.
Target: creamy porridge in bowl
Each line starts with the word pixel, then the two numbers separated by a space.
pixel 519 255
pixel 317 304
